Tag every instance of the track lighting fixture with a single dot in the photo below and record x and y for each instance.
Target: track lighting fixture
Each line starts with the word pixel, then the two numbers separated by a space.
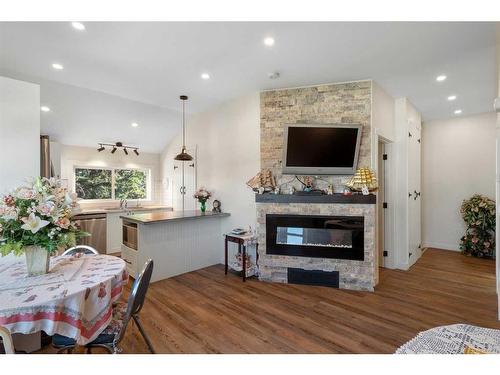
pixel 116 146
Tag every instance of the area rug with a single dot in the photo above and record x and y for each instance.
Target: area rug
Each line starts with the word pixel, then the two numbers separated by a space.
pixel 453 339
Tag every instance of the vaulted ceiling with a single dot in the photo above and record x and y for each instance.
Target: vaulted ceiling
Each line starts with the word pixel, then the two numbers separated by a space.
pixel 116 73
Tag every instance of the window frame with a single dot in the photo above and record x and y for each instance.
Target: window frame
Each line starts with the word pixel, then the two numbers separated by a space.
pixel 113 198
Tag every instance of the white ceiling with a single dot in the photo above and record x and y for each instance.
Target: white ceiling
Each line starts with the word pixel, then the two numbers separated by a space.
pixel 149 64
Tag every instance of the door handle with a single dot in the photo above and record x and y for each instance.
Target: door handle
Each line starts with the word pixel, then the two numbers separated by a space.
pixel 416 195
pixel 409 194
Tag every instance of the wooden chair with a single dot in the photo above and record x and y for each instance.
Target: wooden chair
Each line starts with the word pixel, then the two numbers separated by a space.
pixel 122 313
pixel 81 249
pixel 7 340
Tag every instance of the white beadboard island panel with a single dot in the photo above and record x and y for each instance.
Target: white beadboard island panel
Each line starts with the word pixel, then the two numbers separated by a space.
pixel 178 242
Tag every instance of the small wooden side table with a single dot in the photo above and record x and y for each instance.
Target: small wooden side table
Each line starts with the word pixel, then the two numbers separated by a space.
pixel 243 241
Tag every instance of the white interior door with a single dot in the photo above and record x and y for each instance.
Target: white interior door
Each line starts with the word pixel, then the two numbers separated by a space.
pixel 184 184
pixel 414 186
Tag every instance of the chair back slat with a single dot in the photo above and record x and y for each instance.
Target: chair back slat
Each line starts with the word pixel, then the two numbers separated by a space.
pixel 81 249
pixel 137 296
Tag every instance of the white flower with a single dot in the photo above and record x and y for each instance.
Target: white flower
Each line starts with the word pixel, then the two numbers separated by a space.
pixel 34 223
pixel 70 198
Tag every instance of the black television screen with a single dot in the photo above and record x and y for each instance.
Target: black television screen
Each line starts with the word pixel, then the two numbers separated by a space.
pixel 321 149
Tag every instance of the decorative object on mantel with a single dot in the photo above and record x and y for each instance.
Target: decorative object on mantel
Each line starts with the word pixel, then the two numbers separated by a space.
pixel 364 178
pixel 216 206
pixel 118 145
pixel 478 213
pixel 263 181
pixel 202 195
pixel 35 220
pixel 183 156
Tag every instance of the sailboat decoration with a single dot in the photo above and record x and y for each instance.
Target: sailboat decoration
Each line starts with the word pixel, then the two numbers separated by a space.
pixel 263 180
pixel 363 177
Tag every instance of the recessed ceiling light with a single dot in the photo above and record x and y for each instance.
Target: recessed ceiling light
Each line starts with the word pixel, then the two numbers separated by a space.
pixel 441 78
pixel 78 25
pixel 135 124
pixel 44 108
pixel 452 97
pixel 205 76
pixel 57 66
pixel 269 41
pixel 458 111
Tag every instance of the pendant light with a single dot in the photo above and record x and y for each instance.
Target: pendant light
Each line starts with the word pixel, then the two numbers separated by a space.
pixel 183 156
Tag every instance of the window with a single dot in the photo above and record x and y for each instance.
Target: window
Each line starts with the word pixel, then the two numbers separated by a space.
pixel 101 183
pixel 130 184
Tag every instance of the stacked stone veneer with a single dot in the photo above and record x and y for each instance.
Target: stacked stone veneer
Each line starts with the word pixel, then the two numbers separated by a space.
pixel 345 103
pixel 353 274
pixel 348 103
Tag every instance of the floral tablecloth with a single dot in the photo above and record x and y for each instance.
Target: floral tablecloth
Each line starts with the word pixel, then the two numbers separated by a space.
pixel 74 299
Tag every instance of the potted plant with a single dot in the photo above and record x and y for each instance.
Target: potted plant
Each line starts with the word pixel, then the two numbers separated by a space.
pixel 36 220
pixel 202 195
pixel 478 213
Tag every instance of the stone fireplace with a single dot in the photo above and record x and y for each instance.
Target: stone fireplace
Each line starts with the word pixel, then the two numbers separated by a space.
pixel 323 239
pixel 345 244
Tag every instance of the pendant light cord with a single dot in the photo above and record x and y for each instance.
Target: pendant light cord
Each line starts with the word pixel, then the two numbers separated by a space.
pixel 183 124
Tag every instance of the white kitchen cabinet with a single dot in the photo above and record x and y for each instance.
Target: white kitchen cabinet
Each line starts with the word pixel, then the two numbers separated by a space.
pixel 408 184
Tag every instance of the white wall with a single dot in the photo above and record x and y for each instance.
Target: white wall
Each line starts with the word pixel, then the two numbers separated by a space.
pixel 89 156
pixel 228 142
pixel 383 113
pixel 458 160
pixel 19 132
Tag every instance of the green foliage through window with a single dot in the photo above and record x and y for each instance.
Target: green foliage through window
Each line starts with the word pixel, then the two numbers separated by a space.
pixel 95 183
pixel 130 184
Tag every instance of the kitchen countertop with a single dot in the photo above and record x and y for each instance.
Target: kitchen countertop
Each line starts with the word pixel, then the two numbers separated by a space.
pixel 113 210
pixel 161 217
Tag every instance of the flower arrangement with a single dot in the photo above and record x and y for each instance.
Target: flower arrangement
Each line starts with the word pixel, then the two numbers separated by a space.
pixel 478 213
pixel 202 195
pixel 38 215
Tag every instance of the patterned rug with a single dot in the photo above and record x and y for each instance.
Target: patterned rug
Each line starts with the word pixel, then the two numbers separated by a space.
pixel 453 339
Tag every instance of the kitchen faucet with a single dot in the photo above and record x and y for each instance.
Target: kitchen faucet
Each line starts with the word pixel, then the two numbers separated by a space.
pixel 123 203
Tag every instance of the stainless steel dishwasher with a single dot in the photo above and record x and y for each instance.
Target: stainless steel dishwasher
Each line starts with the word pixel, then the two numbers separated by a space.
pixel 95 224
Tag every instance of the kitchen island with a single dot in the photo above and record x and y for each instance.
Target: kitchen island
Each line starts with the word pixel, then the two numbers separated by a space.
pixel 177 241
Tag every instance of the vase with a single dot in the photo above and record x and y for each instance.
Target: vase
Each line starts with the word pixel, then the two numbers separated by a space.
pixel 37 260
pixel 203 207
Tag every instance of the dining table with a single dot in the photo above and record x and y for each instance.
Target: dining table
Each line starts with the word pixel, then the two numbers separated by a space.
pixel 74 299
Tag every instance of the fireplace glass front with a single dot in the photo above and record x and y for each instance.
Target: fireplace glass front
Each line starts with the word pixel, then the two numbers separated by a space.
pixel 338 237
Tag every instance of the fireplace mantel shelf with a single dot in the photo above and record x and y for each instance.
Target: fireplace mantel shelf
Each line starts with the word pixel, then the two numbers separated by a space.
pixel 318 199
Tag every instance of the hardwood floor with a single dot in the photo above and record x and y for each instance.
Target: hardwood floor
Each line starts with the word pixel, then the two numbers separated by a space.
pixel 208 312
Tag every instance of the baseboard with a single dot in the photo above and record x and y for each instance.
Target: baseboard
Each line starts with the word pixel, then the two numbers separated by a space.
pixel 441 245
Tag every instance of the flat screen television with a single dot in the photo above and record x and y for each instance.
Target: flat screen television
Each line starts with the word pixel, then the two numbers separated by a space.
pixel 321 149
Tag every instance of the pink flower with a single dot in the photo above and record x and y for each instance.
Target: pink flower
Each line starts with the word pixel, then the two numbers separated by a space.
pixel 25 193
pixel 63 223
pixel 8 213
pixel 486 244
pixel 475 240
pixel 46 208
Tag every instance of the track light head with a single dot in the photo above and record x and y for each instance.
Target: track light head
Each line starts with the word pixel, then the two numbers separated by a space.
pixel 136 152
pixel 125 151
pixel 113 150
pixel 101 148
